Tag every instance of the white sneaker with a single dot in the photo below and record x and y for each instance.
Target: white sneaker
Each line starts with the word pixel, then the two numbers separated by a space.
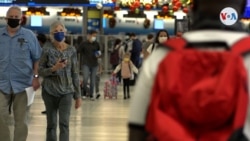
pixel 84 97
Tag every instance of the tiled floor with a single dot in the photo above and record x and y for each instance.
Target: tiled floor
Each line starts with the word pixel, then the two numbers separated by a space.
pixel 99 120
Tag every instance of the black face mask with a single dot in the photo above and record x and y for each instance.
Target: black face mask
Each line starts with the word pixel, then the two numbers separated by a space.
pixel 13 23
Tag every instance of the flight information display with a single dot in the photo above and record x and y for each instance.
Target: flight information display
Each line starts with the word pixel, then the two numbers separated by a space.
pixel 6 1
pixel 55 2
pixel 44 2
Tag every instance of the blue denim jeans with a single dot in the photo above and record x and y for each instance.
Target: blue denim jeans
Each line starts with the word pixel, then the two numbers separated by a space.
pixel 97 83
pixel 89 72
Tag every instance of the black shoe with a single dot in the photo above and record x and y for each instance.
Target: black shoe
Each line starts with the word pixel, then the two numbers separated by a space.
pixel 125 97
pixel 128 96
pixel 97 96
pixel 44 112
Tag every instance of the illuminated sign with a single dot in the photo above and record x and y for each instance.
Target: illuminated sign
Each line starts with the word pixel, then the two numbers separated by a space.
pixel 46 2
pixel 56 2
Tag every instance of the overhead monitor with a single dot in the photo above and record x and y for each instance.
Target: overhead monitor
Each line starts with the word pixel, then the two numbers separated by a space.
pixel 104 22
pixel 158 24
pixel 6 1
pixel 50 2
pixel 36 21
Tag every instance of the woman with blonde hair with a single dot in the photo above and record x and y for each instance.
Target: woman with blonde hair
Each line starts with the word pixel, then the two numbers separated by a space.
pixel 58 67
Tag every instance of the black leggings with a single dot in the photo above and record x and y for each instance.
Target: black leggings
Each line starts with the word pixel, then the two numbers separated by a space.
pixel 126 87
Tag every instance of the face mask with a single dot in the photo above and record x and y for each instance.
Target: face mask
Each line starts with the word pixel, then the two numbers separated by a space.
pixel 59 36
pixel 13 23
pixel 93 39
pixel 162 39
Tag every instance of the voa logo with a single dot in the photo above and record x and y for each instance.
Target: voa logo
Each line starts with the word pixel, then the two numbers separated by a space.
pixel 228 16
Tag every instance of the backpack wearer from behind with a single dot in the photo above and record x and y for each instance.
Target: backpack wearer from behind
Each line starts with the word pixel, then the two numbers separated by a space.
pixel 198 95
pixel 126 71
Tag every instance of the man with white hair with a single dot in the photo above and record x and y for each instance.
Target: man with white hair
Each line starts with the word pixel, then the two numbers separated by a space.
pixel 20 52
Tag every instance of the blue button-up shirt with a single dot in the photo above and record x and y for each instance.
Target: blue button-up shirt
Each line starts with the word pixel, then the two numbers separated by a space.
pixel 17 56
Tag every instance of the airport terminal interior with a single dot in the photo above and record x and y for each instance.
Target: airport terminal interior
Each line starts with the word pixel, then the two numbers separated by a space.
pixel 103 119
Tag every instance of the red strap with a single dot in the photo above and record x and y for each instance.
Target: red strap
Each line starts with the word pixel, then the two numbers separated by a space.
pixel 175 43
pixel 242 46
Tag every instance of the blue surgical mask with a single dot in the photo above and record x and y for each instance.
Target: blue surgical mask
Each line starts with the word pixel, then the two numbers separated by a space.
pixel 59 36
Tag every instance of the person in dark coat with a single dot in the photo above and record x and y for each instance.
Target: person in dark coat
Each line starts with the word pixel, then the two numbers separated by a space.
pixel 136 50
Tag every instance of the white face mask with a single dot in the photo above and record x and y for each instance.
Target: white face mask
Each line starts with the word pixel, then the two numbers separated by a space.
pixel 162 39
pixel 93 39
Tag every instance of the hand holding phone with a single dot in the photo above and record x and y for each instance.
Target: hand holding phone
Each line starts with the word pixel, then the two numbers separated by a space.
pixel 60 63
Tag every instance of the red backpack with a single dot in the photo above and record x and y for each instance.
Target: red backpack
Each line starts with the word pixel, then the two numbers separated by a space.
pixel 198 95
pixel 114 57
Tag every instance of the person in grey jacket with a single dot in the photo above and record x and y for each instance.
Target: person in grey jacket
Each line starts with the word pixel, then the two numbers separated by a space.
pixel 58 67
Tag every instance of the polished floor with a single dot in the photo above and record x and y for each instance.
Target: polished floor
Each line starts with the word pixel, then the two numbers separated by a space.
pixel 99 120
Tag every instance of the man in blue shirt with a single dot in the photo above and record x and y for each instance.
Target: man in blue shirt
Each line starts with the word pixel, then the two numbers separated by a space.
pixel 19 55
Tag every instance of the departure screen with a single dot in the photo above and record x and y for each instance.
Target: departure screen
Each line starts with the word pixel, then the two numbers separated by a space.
pixel 45 2
pixel 6 1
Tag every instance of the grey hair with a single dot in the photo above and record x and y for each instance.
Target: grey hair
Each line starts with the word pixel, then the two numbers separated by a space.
pixel 53 27
pixel 16 8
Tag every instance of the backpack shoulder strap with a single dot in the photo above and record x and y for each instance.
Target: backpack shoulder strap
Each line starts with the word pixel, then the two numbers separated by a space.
pixel 176 43
pixel 153 46
pixel 242 46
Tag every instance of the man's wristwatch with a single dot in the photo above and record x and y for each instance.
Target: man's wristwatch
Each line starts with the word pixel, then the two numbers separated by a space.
pixel 36 76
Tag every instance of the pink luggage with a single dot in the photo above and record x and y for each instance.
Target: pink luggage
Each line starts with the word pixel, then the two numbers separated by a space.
pixel 110 88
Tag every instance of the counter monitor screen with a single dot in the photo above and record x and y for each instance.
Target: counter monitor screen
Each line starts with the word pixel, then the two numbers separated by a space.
pixel 158 24
pixel 6 1
pixel 36 21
